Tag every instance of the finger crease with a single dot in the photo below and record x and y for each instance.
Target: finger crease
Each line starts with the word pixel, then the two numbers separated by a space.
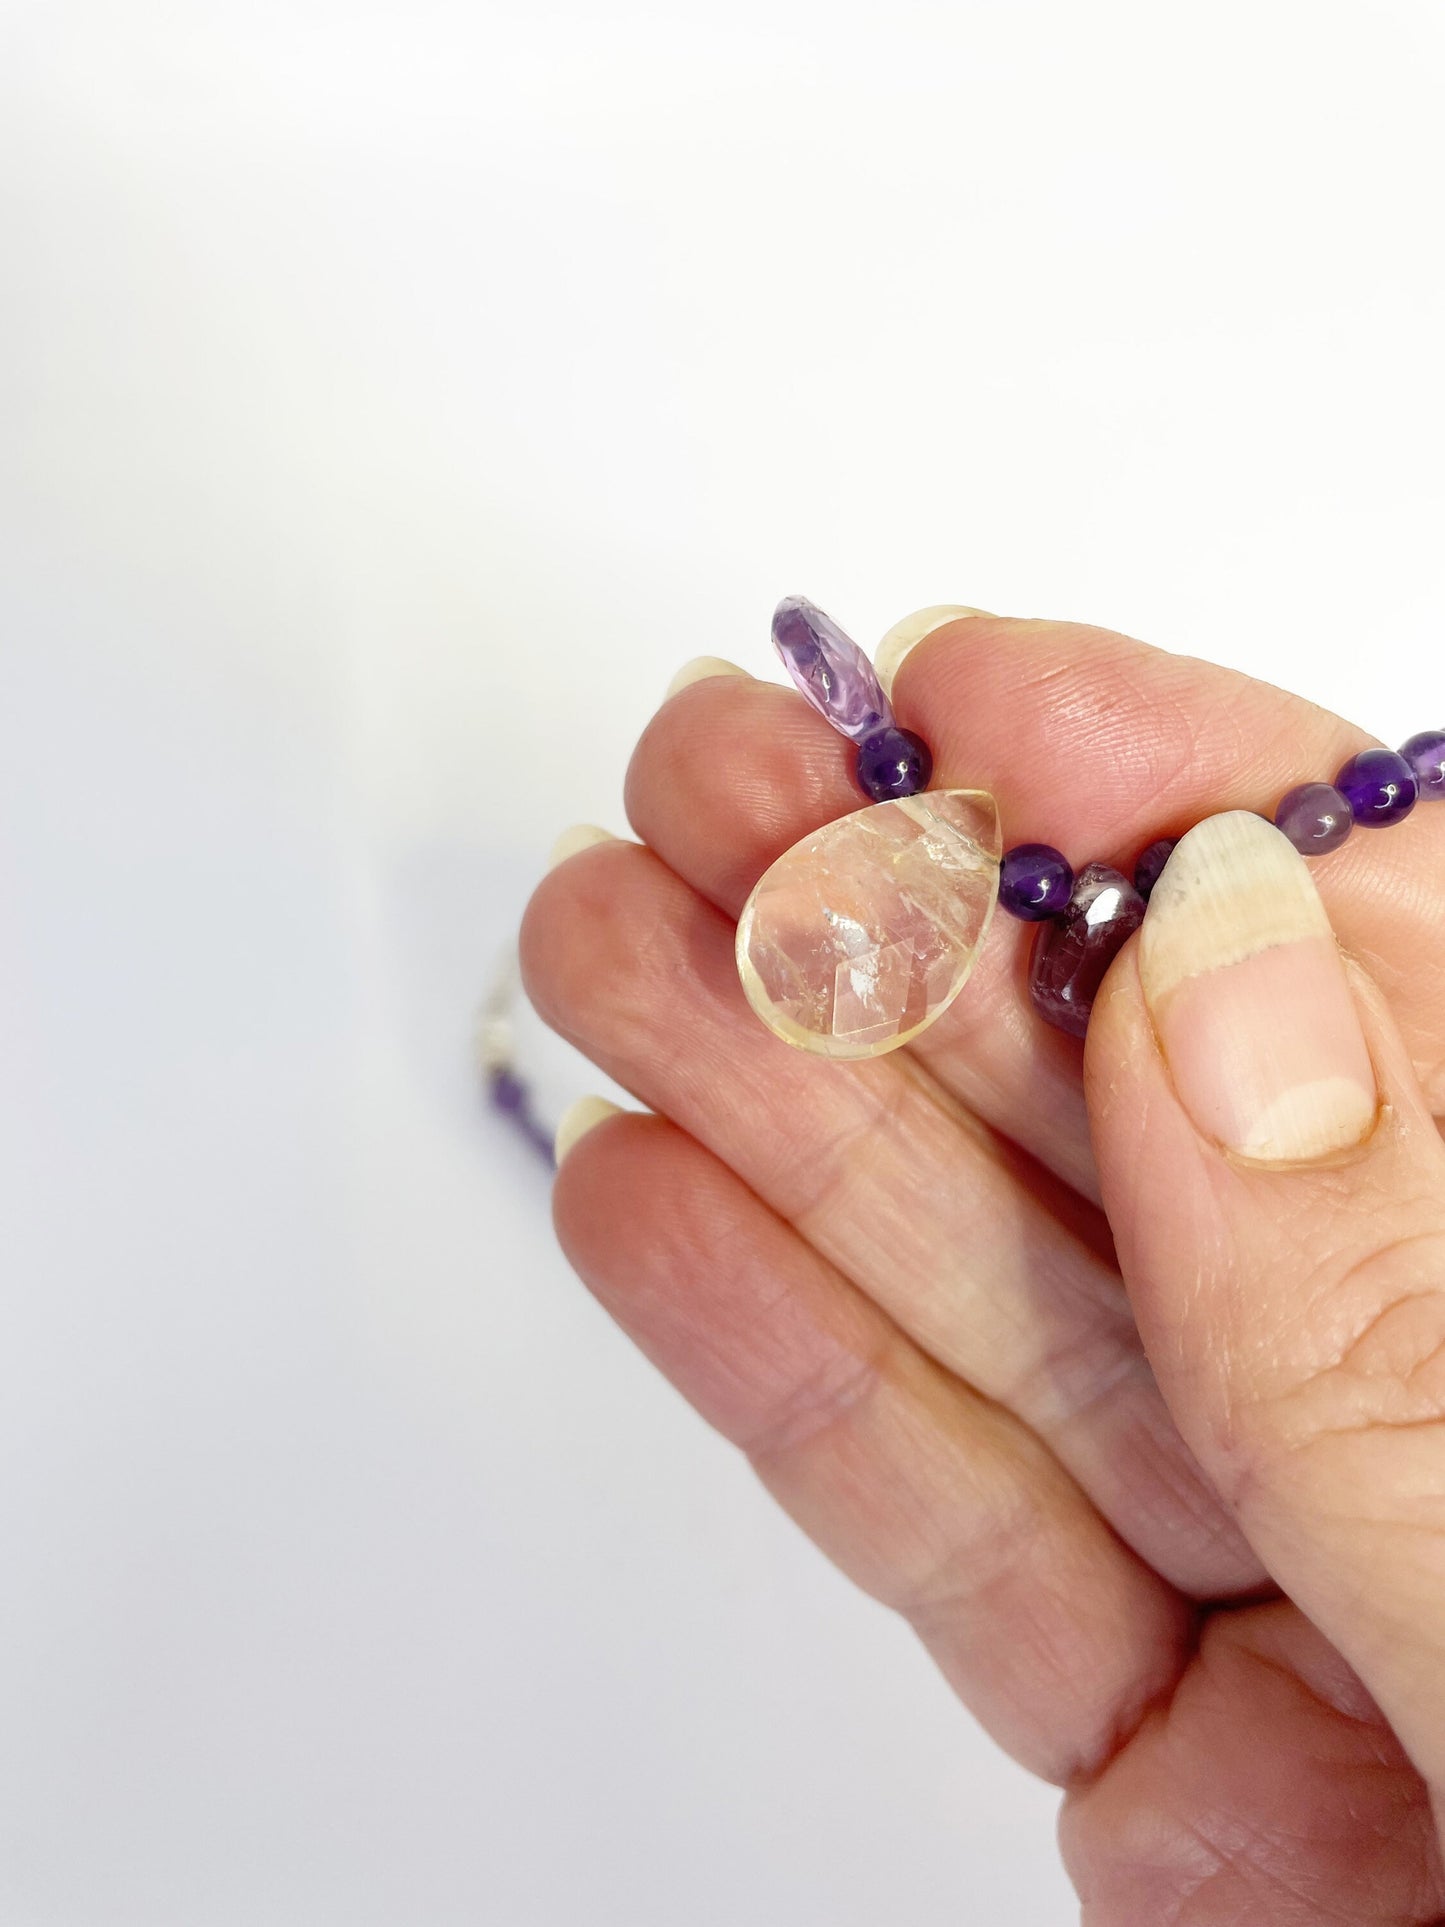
pixel 823 1399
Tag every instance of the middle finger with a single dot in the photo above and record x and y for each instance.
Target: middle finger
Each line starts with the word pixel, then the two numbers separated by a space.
pixel 954 1233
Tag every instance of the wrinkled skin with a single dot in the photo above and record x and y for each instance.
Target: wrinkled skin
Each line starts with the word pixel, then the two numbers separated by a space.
pixel 897 1285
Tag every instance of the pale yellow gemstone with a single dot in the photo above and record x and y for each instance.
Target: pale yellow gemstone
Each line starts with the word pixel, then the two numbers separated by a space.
pixel 862 934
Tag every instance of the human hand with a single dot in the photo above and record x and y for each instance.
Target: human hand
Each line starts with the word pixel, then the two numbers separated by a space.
pixel 1172 1521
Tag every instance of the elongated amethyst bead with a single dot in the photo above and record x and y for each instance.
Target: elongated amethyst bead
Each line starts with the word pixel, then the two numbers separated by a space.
pixel 1425 754
pixel 830 669
pixel 1316 817
pixel 1035 881
pixel 1380 787
pixel 1150 865
pixel 893 762
pixel 1072 952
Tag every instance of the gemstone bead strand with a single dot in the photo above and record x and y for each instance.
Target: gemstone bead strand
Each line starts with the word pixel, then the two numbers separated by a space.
pixel 1075 946
pixel 1083 920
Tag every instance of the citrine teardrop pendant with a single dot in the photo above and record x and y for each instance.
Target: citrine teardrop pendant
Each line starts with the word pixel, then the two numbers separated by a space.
pixel 861 935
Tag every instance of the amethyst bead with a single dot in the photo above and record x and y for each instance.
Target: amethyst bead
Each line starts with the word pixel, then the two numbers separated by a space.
pixel 511 1097
pixel 1316 817
pixel 1035 881
pixel 1150 866
pixel 830 669
pixel 1380 787
pixel 893 762
pixel 1425 755
pixel 508 1093
pixel 1072 952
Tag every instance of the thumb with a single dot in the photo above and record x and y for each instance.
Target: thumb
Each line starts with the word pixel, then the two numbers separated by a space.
pixel 1276 1186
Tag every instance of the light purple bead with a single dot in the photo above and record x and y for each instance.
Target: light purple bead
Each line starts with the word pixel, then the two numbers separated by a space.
pixel 1380 787
pixel 1150 866
pixel 1425 754
pixel 1316 817
pixel 1072 952
pixel 830 669
pixel 1034 882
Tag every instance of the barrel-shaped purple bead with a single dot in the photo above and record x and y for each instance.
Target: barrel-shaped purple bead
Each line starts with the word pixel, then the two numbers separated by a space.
pixel 1425 755
pixel 1072 952
pixel 1034 881
pixel 1316 817
pixel 1380 787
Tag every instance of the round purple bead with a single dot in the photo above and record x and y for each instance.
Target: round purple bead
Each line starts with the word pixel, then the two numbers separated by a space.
pixel 893 762
pixel 1035 881
pixel 1425 754
pixel 1379 786
pixel 1150 867
pixel 1316 817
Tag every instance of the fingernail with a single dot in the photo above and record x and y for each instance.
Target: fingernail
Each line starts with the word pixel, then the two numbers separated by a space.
pixel 578 1119
pixel 1249 999
pixel 699 669
pixel 905 636
pixel 580 837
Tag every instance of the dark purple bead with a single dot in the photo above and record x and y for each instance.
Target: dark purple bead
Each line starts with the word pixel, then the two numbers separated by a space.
pixel 1316 817
pixel 1072 952
pixel 512 1098
pixel 508 1092
pixel 1034 881
pixel 893 762
pixel 1150 867
pixel 1379 786
pixel 1425 754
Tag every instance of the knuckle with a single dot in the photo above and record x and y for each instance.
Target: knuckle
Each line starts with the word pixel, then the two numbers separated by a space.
pixel 981 1562
pixel 816 1407
pixel 579 944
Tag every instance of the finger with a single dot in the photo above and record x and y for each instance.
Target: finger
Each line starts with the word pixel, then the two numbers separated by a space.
pixel 932 1499
pixel 730 774
pixel 1100 744
pixel 1271 1789
pixel 1277 1190
pixel 926 1210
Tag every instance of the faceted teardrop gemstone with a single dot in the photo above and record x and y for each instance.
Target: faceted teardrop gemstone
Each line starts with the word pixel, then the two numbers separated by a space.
pixel 1073 952
pixel 862 934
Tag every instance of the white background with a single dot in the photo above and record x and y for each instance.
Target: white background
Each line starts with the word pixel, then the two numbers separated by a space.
pixel 391 397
